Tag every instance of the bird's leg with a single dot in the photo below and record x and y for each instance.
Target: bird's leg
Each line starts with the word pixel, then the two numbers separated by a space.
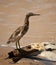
pixel 19 44
pixel 16 45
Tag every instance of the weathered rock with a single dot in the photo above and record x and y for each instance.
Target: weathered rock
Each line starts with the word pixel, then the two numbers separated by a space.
pixel 17 54
pixel 38 49
pixel 44 46
pixel 49 55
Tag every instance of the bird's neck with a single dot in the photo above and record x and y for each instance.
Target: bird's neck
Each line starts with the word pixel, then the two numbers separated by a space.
pixel 26 23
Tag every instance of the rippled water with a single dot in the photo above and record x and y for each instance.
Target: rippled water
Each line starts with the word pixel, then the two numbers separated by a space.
pixel 42 28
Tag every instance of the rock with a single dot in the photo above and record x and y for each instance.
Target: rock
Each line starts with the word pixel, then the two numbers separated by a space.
pixel 49 45
pixel 23 52
pixel 49 55
pixel 39 49
pixel 44 46
pixel 37 46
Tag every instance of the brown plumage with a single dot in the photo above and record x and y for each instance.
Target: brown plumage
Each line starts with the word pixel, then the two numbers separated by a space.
pixel 21 31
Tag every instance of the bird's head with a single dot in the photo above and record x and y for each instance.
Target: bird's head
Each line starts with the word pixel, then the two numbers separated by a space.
pixel 32 14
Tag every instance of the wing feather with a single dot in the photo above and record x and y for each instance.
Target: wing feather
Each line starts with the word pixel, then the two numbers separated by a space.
pixel 16 33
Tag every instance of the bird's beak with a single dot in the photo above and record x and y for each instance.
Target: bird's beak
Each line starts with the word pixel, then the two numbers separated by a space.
pixel 36 14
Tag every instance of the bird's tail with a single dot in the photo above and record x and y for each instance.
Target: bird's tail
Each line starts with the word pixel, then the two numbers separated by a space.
pixel 8 42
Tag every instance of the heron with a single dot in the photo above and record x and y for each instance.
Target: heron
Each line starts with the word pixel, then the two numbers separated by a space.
pixel 21 31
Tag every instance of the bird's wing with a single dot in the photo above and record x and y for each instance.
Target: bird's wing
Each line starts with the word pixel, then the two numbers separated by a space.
pixel 16 33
